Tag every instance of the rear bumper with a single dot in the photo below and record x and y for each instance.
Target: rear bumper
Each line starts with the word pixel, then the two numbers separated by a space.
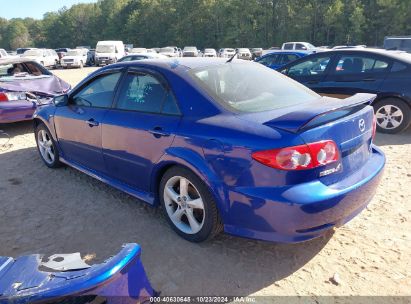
pixel 13 111
pixel 304 211
pixel 244 57
pixel 70 64
pixel 105 61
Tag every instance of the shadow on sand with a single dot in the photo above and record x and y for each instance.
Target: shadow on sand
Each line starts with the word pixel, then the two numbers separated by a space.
pixel 62 211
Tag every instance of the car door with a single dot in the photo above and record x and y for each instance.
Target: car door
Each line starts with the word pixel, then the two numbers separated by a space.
pixel 310 70
pixel 354 73
pixel 79 124
pixel 139 128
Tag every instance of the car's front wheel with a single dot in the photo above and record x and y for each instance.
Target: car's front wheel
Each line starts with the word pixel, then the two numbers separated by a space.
pixel 393 115
pixel 47 147
pixel 188 205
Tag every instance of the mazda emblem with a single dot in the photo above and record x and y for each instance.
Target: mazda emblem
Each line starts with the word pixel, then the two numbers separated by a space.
pixel 361 125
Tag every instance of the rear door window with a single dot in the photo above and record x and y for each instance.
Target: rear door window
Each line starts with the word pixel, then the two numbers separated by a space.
pixel 357 64
pixel 398 67
pixel 144 93
pixel 300 46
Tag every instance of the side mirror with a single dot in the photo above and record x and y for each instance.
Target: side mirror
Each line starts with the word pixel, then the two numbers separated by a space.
pixel 60 100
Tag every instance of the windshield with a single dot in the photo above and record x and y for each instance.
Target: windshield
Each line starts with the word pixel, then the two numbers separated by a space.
pixel 166 50
pixel 33 53
pixel 209 51
pixel 244 50
pixel 248 87
pixel 229 50
pixel 74 53
pixel 190 48
pixel 105 49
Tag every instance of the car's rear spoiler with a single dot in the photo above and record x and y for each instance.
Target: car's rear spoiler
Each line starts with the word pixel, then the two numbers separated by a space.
pixel 324 110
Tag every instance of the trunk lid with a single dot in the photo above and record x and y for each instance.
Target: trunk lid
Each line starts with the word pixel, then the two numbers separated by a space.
pixel 348 122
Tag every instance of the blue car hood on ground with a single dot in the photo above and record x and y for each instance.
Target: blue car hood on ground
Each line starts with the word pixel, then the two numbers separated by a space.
pixel 119 279
pixel 49 85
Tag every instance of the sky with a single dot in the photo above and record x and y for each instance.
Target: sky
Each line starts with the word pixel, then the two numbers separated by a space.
pixel 33 8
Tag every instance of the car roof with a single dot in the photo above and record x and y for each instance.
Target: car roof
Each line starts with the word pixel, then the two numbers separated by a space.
pixel 288 52
pixel 399 55
pixel 184 63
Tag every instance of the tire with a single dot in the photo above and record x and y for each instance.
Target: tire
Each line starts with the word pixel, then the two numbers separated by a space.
pixel 197 203
pixel 47 147
pixel 386 121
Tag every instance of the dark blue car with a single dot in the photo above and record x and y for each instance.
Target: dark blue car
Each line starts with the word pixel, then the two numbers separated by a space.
pixel 230 146
pixel 277 59
pixel 343 73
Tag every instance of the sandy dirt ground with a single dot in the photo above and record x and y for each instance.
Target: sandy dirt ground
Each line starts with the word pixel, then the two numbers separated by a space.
pixel 62 211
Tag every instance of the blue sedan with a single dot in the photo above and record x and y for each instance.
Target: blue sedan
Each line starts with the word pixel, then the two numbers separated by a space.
pixel 277 59
pixel 221 146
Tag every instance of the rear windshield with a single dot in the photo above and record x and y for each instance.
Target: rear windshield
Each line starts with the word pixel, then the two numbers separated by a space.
pixel 22 71
pixel 250 87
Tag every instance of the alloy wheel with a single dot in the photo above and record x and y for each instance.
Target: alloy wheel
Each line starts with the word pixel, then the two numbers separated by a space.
pixel 389 117
pixel 184 205
pixel 46 146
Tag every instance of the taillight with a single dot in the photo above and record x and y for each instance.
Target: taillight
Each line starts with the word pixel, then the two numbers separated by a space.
pixel 301 157
pixel 374 126
pixel 3 97
pixel 12 96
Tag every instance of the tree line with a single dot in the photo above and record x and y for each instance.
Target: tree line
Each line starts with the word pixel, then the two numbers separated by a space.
pixel 212 23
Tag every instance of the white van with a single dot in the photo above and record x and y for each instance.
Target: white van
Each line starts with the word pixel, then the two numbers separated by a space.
pixel 109 52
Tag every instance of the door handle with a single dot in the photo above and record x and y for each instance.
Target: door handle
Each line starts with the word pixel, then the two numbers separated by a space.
pixel 369 79
pixel 92 123
pixel 159 132
pixel 312 82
